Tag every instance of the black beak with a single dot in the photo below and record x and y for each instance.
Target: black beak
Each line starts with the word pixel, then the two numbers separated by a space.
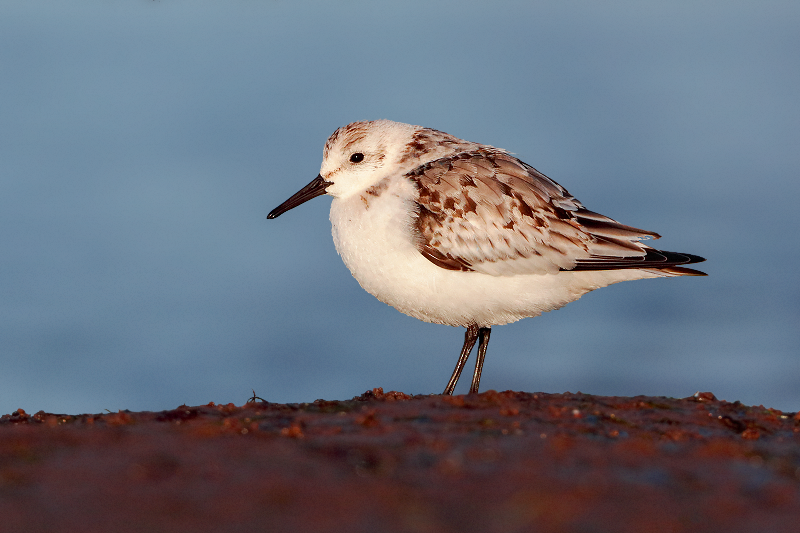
pixel 312 190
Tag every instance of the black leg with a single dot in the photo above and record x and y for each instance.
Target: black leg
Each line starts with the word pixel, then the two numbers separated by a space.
pixel 483 335
pixel 469 341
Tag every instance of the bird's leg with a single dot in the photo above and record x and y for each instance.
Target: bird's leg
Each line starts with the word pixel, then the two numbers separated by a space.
pixel 483 335
pixel 469 341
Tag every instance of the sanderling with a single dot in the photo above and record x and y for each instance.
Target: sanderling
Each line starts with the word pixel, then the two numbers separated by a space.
pixel 464 234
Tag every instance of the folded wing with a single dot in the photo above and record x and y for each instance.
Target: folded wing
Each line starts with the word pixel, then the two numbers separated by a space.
pixel 487 211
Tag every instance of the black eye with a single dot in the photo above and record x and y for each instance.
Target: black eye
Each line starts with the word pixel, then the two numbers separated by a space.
pixel 357 157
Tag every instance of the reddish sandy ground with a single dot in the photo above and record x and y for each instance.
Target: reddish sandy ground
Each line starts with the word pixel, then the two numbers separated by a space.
pixel 384 462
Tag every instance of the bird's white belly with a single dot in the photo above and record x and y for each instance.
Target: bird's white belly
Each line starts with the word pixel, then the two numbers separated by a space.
pixel 374 236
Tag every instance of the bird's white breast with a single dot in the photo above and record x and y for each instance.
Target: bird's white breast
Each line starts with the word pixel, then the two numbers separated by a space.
pixel 373 233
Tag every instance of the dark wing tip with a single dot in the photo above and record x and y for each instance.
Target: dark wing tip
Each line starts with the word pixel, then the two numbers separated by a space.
pixel 653 259
pixel 692 258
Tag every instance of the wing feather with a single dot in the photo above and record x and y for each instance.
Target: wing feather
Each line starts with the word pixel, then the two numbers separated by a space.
pixel 485 210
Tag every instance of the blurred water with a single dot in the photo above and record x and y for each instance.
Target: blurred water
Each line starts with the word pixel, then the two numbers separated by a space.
pixel 143 143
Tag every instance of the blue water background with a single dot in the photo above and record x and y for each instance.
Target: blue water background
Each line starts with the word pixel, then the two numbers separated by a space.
pixel 142 144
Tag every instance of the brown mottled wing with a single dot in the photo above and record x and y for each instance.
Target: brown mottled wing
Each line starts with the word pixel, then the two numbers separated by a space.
pixel 487 211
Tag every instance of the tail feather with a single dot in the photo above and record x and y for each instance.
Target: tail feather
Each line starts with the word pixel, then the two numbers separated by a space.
pixel 680 271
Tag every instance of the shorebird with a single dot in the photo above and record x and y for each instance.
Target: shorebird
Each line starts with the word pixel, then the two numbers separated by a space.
pixel 459 233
